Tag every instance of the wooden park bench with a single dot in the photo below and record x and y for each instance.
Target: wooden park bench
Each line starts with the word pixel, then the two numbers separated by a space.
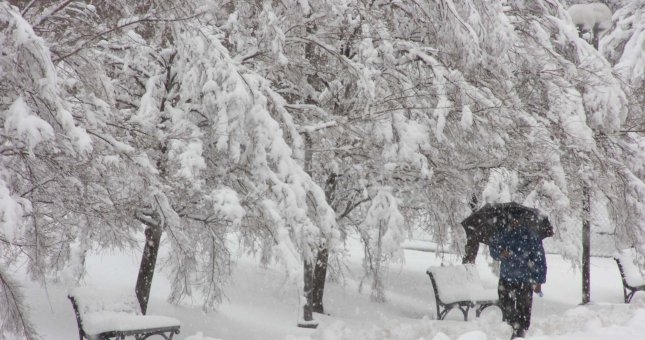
pixel 106 314
pixel 460 286
pixel 631 275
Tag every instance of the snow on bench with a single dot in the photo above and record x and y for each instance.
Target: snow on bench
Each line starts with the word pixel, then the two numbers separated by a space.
pixel 460 286
pixel 631 275
pixel 105 314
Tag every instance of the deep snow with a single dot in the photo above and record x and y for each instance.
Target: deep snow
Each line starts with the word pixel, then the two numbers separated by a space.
pixel 260 304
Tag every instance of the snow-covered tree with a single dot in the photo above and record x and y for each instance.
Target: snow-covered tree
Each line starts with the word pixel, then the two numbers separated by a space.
pixel 199 135
pixel 283 122
pixel 623 47
pixel 434 97
pixel 519 91
pixel 40 145
pixel 211 129
pixel 344 92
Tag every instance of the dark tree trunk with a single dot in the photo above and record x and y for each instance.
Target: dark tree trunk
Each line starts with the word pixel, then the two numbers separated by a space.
pixel 308 275
pixel 470 253
pixel 322 258
pixel 320 275
pixel 147 267
pixel 586 213
pixel 472 245
pixel 307 311
pixel 586 245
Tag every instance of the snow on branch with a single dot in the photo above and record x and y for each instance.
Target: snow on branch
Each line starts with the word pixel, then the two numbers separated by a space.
pixel 37 82
pixel 15 319
pixel 26 126
pixel 624 44
pixel 382 233
pixel 12 209
pixel 316 127
pixel 589 16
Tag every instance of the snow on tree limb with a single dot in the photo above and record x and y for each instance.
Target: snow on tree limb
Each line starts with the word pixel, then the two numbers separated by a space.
pixel 39 76
pixel 382 233
pixel 15 316
pixel 589 15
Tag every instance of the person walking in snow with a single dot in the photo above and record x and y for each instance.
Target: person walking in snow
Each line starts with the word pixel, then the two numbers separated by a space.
pixel 522 272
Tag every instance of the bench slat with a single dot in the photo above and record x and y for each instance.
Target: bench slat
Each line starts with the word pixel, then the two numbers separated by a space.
pixel 100 322
pixel 631 275
pixel 461 283
pixel 105 314
pixel 460 286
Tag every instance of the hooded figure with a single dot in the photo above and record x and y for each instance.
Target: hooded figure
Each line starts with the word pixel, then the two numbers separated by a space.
pixel 522 272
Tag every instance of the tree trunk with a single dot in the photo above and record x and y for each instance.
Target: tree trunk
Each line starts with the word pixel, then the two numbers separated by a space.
pixel 472 245
pixel 307 312
pixel 586 213
pixel 322 258
pixel 378 294
pixel 320 275
pixel 586 245
pixel 470 253
pixel 147 267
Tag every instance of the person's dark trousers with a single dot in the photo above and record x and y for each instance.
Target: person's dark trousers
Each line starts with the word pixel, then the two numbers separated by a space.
pixel 516 300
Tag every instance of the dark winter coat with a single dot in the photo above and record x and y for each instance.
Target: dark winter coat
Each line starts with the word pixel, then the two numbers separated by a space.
pixel 527 262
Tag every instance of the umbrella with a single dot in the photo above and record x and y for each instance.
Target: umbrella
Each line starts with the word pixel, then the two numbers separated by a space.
pixel 481 224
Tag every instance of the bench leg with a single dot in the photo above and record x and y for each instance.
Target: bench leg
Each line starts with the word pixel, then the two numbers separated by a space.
pixel 628 297
pixel 464 309
pixel 442 314
pixel 481 308
pixel 625 294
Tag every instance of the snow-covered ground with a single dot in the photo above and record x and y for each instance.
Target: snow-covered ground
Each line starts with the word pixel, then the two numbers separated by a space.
pixel 260 304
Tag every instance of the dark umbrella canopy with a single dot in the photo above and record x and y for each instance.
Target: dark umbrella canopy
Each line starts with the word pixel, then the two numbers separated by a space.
pixel 481 224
